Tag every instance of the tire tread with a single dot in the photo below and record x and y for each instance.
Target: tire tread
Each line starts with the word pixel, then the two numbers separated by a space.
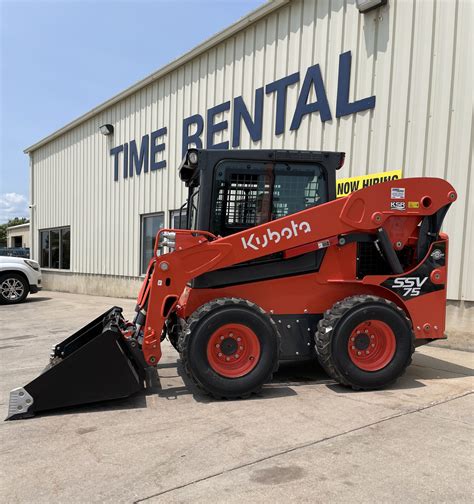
pixel 195 319
pixel 323 340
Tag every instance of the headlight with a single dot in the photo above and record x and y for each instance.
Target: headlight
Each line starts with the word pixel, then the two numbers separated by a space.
pixel 32 264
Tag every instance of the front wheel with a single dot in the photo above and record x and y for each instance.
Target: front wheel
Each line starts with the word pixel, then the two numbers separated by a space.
pixel 365 342
pixel 13 288
pixel 229 348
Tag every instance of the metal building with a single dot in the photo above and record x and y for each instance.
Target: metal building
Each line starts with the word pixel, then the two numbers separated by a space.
pixel 18 236
pixel 392 87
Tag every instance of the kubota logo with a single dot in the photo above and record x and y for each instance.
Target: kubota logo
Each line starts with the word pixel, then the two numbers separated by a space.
pixel 293 230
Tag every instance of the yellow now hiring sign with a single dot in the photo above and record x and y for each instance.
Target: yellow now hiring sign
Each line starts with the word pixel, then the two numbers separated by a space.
pixel 347 185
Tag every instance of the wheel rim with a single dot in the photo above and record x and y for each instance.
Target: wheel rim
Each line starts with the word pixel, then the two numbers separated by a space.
pixel 12 289
pixel 372 345
pixel 233 350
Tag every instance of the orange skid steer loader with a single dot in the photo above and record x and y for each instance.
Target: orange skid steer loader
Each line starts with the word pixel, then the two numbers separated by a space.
pixel 269 266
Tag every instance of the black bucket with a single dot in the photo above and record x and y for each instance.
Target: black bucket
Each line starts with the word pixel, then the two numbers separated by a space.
pixel 94 364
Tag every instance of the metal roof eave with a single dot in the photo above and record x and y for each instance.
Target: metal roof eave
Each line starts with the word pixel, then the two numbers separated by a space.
pixel 17 226
pixel 239 25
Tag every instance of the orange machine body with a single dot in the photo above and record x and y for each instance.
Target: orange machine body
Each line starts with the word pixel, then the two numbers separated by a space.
pixel 420 290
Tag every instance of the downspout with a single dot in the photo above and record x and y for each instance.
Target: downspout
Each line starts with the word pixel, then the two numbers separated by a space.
pixel 33 251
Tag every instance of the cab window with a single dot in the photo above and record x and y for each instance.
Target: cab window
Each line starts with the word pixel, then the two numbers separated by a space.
pixel 250 193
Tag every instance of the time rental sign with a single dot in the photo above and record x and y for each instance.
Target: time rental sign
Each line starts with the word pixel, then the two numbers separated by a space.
pixel 134 158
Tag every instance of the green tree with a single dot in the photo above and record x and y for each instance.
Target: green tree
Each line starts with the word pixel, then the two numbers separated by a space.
pixel 3 228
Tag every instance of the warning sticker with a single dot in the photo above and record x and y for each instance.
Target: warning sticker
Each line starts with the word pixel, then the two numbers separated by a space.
pixel 413 204
pixel 347 185
pixel 397 193
pixel 323 244
pixel 397 205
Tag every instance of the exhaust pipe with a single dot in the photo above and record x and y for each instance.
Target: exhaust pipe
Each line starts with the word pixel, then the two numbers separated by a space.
pixel 94 364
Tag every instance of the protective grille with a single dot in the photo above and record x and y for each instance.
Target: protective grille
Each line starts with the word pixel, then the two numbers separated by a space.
pixel 246 197
pixel 370 261
pixel 252 193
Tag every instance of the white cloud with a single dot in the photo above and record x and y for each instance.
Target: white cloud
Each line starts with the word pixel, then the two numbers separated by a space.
pixel 13 205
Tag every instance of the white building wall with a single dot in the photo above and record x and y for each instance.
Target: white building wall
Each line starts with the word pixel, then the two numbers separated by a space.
pixel 414 56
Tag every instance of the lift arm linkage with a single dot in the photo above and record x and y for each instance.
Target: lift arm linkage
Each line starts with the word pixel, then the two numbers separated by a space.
pixel 197 252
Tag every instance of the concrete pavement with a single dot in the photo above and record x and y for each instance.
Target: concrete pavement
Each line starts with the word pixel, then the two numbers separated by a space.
pixel 303 439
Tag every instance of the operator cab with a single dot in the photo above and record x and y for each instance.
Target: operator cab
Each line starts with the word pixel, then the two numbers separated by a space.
pixel 233 190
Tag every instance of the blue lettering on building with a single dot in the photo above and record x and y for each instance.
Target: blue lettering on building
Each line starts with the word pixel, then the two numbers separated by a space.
pixel 213 128
pixel 280 87
pixel 254 126
pixel 136 157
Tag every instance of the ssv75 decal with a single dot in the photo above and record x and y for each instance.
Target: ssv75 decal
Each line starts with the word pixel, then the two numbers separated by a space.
pixel 418 282
pixel 411 285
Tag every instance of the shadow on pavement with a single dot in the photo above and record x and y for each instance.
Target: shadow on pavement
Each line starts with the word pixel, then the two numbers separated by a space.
pixel 34 299
pixel 289 376
pixel 137 401
pixel 424 367
pixel 434 366
pixel 28 300
pixel 270 391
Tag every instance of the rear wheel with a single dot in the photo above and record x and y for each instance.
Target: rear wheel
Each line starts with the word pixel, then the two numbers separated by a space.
pixel 365 342
pixel 229 348
pixel 13 288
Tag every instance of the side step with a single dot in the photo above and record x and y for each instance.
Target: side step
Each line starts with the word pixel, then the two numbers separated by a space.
pixel 94 364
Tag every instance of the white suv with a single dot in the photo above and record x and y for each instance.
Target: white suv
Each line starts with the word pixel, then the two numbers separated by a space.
pixel 18 277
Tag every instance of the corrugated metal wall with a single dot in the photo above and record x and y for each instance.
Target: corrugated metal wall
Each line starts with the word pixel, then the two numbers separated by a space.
pixel 415 56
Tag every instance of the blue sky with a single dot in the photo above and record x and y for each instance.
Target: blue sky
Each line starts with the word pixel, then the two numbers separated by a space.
pixel 61 58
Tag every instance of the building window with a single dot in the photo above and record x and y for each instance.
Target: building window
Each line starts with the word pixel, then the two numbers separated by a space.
pixel 175 221
pixel 55 248
pixel 151 224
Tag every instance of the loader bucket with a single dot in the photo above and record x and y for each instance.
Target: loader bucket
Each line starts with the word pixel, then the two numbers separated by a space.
pixel 94 364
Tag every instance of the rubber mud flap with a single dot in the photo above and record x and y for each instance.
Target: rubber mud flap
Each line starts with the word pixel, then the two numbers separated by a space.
pixel 94 364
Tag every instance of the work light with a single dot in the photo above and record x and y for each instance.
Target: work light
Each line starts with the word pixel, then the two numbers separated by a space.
pixel 367 5
pixel 106 129
pixel 193 157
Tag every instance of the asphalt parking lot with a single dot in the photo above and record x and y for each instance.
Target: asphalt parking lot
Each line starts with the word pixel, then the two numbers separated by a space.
pixel 303 439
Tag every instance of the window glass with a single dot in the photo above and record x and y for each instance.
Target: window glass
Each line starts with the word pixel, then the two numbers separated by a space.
pixel 65 247
pixel 151 224
pixel 175 221
pixel 252 193
pixel 44 257
pixel 297 187
pixel 55 248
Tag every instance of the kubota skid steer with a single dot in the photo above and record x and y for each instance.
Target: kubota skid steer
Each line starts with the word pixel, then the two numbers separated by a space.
pixel 271 266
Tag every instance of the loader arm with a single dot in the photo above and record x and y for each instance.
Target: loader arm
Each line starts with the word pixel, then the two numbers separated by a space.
pixel 374 210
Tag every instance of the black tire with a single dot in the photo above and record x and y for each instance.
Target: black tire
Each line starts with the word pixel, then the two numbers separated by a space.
pixel 335 329
pixel 203 323
pixel 15 280
pixel 173 331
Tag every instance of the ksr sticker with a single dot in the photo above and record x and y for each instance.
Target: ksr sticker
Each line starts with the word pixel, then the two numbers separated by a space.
pixel 397 205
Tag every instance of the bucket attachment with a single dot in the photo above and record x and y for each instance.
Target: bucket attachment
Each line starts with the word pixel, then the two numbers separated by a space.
pixel 94 364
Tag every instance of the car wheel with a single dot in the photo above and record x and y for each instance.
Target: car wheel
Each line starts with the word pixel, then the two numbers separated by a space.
pixel 13 288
